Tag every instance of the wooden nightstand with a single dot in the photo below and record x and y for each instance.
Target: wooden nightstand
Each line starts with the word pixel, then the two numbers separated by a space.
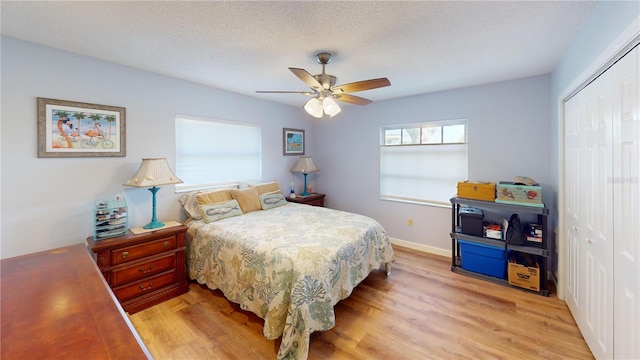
pixel 313 199
pixel 144 269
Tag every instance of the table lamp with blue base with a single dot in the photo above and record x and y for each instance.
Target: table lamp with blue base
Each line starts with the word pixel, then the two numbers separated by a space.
pixel 152 173
pixel 305 166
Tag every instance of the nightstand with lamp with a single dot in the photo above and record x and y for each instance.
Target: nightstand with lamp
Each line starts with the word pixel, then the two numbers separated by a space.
pixel 306 166
pixel 148 264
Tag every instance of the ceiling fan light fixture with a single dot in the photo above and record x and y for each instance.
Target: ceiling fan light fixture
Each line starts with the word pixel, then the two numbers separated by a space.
pixel 330 107
pixel 325 92
pixel 314 107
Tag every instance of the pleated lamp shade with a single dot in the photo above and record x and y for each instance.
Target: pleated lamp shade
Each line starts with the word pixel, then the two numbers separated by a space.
pixel 153 172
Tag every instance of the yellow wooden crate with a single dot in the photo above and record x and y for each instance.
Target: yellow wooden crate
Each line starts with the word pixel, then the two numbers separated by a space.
pixel 485 191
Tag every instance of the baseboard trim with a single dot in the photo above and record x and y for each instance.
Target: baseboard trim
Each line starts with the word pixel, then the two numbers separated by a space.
pixel 421 247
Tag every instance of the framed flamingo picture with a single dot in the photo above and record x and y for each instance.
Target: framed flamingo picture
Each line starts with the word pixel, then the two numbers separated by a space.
pixel 76 129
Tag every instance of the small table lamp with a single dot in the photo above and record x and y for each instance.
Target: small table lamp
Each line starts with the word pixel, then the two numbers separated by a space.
pixel 305 165
pixel 153 172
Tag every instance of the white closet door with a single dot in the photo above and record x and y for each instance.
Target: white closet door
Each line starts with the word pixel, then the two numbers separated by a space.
pixel 574 112
pixel 602 210
pixel 626 183
pixel 589 225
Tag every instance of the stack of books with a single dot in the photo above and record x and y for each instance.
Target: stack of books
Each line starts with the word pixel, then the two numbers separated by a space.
pixel 534 233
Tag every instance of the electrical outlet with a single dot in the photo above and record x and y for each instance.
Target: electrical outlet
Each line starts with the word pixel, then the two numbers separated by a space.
pixel 409 222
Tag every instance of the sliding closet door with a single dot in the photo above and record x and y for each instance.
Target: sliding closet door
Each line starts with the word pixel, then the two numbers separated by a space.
pixel 574 111
pixel 626 180
pixel 589 224
pixel 602 210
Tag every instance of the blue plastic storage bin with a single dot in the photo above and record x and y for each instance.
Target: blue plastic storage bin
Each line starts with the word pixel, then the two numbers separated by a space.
pixel 484 259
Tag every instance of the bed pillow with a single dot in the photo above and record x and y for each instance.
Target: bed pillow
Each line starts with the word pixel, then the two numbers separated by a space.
pixel 214 197
pixel 271 200
pixel 190 205
pixel 267 187
pixel 223 210
pixel 247 198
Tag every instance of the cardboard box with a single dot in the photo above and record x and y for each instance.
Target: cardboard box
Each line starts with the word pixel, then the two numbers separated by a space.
pixel 477 190
pixel 510 193
pixel 523 276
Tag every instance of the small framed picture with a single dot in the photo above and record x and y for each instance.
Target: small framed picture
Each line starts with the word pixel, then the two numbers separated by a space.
pixel 292 142
pixel 76 129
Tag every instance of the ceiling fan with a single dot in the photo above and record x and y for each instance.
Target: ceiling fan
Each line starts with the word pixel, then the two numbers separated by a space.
pixel 325 92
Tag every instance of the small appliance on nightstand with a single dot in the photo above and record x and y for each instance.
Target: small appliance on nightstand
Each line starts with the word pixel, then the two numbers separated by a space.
pixel 144 269
pixel 313 199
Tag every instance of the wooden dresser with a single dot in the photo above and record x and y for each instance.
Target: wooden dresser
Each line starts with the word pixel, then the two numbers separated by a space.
pixel 56 305
pixel 313 199
pixel 144 269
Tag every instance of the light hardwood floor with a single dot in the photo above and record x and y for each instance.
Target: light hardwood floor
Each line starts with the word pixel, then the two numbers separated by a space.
pixel 423 311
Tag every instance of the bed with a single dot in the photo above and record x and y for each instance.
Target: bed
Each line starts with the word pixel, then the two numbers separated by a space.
pixel 288 263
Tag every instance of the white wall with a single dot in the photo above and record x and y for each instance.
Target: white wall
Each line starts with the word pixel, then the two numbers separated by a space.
pixel 47 202
pixel 508 126
pixel 610 25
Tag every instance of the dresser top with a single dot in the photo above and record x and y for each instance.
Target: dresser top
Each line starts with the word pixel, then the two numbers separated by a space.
pixel 56 304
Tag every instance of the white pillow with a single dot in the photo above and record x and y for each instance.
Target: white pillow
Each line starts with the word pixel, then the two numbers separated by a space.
pixel 189 203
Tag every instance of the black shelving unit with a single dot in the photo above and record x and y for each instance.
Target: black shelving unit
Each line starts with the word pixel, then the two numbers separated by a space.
pixel 542 252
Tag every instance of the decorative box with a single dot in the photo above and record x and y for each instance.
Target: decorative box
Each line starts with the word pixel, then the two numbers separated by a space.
pixel 510 193
pixel 477 190
pixel 110 218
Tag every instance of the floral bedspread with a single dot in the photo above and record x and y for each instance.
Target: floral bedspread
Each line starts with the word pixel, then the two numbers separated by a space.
pixel 289 265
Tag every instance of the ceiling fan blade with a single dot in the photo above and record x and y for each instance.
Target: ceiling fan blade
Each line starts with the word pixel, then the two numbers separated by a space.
pixel 285 92
pixel 351 99
pixel 307 78
pixel 362 85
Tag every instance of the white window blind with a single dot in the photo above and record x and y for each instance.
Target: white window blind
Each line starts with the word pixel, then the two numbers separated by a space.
pixel 423 162
pixel 214 152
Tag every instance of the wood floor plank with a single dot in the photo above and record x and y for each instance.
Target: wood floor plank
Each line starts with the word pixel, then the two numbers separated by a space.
pixel 423 311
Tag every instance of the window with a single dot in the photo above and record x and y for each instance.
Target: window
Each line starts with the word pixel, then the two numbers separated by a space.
pixel 214 152
pixel 423 162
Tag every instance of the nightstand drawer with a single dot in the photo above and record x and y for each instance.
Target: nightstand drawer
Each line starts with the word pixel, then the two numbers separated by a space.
pixel 130 253
pixel 143 270
pixel 316 202
pixel 145 286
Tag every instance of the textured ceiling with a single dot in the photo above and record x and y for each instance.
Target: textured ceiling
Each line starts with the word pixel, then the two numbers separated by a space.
pixel 244 46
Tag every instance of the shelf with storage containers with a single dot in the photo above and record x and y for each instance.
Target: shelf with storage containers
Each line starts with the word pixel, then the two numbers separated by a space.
pixel 110 218
pixel 491 259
